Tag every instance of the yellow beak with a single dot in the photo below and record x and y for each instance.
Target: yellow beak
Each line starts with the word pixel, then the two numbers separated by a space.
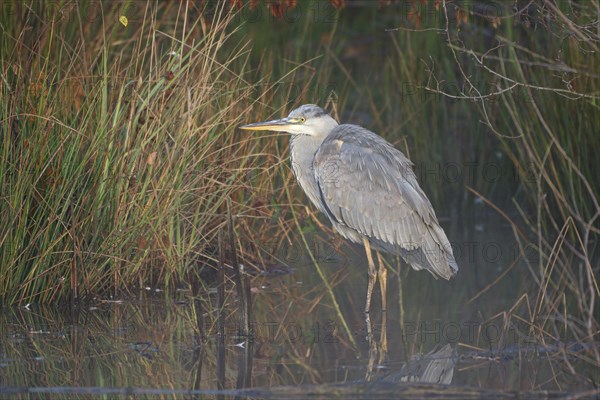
pixel 274 125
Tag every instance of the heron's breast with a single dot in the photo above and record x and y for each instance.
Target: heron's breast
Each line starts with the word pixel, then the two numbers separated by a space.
pixel 302 153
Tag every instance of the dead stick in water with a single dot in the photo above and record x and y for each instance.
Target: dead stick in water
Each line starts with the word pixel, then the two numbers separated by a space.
pixel 243 290
pixel 221 315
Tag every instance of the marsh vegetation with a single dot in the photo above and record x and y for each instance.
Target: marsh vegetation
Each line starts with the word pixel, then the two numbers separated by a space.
pixel 121 166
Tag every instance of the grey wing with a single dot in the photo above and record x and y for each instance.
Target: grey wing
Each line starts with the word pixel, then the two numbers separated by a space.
pixel 368 188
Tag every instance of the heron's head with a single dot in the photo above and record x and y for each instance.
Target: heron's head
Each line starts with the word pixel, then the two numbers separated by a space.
pixel 308 119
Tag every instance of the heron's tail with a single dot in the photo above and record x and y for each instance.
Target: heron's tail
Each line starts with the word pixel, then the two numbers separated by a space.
pixel 435 255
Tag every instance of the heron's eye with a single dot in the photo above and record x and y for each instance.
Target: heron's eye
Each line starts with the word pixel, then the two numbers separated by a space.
pixel 301 120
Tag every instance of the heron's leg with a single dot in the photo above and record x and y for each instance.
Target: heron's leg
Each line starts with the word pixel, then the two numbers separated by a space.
pixel 383 286
pixel 382 272
pixel 372 274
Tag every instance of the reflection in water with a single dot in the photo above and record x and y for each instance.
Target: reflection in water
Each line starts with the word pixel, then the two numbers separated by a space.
pixel 437 366
pixel 191 339
pixel 156 344
pixel 378 347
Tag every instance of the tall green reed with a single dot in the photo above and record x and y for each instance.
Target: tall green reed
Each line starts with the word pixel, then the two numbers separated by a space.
pixel 534 84
pixel 118 145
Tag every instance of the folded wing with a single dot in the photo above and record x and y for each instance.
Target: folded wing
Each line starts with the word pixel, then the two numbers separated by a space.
pixel 368 187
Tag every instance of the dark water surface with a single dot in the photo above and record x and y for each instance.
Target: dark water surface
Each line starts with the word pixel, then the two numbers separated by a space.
pixel 449 340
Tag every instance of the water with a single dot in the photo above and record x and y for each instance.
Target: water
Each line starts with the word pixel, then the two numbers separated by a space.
pixel 449 339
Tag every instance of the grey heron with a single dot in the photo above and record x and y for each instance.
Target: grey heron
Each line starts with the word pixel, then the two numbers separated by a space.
pixel 367 189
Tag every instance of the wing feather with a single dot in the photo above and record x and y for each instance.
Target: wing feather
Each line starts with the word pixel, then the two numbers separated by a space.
pixel 374 193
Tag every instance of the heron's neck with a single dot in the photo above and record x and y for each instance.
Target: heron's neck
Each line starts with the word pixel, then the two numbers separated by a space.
pixel 302 154
pixel 305 146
